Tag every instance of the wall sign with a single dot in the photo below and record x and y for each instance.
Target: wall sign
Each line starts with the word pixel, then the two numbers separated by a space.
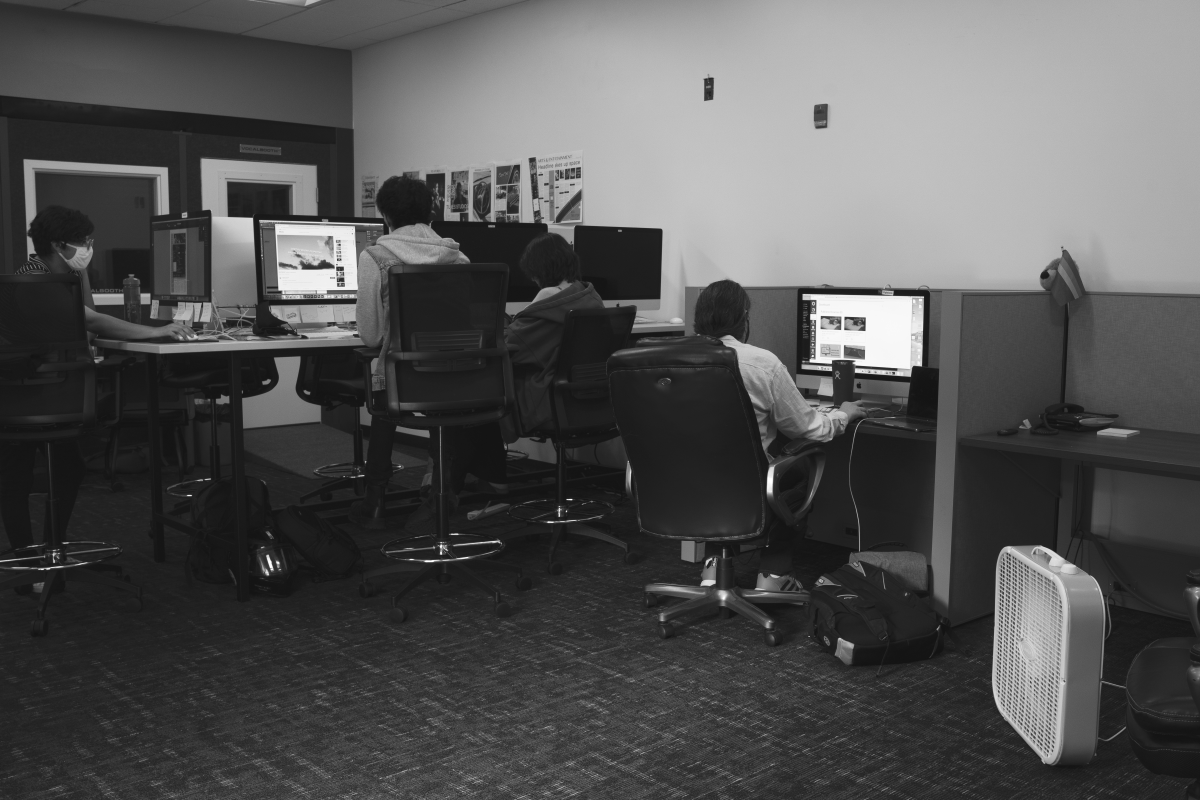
pixel 260 150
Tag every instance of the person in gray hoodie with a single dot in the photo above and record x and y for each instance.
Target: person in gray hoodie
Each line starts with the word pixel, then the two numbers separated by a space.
pixel 406 206
pixel 535 334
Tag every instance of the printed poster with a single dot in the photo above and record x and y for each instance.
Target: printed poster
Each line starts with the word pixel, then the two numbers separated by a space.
pixel 506 203
pixel 412 174
pixel 435 179
pixel 460 195
pixel 368 195
pixel 536 200
pixel 481 194
pixel 560 187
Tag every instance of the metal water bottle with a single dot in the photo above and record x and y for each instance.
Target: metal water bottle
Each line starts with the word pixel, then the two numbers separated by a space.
pixel 1192 597
pixel 133 299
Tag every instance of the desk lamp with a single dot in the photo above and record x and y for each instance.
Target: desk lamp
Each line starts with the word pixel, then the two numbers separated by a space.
pixel 1061 278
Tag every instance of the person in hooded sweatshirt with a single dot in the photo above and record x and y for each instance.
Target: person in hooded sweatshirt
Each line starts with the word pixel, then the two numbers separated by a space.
pixel 535 334
pixel 406 206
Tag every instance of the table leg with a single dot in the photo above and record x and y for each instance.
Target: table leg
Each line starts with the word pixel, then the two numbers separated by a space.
pixel 153 432
pixel 241 556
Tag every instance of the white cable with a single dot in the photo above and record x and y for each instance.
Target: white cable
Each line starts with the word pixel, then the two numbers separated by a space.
pixel 850 483
pixel 1115 735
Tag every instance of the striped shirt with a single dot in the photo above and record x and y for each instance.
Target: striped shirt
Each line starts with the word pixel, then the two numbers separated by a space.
pixel 34 266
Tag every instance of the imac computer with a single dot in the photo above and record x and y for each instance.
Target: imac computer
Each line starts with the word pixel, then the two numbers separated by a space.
pixel 181 264
pixel 883 331
pixel 309 265
pixel 623 264
pixel 497 243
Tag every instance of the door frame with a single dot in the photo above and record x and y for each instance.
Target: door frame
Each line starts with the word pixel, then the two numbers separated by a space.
pixel 216 172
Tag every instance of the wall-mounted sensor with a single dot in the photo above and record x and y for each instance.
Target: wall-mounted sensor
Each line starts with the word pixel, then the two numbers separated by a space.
pixel 708 88
pixel 821 115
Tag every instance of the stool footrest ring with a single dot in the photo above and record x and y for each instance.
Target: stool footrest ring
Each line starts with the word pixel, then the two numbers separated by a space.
pixel 44 558
pixel 549 512
pixel 432 549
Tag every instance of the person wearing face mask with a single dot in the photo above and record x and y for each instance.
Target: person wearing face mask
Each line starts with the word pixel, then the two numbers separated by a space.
pixel 723 312
pixel 62 240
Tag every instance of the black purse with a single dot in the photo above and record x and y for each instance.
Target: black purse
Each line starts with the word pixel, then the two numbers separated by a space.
pixel 1072 417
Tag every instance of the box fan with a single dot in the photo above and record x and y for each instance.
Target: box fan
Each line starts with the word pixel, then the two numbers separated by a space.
pixel 1049 650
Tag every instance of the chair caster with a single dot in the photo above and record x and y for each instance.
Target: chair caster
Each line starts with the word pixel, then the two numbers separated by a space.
pixel 325 496
pixel 398 614
pixel 724 613
pixel 367 590
pixel 554 568
pixel 502 609
pixel 665 630
pixel 38 627
pixel 651 600
pixel 524 583
pixel 443 578
pixel 632 557
pixel 772 638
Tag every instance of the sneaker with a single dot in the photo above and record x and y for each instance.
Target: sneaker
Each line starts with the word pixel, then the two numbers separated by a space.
pixel 708 575
pixel 778 583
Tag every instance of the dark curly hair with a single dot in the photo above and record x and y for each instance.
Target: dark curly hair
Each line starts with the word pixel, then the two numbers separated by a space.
pixel 722 309
pixel 404 201
pixel 548 261
pixel 58 224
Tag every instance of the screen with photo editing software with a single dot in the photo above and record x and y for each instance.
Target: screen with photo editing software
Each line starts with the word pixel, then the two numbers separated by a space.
pixel 181 258
pixel 304 260
pixel 882 331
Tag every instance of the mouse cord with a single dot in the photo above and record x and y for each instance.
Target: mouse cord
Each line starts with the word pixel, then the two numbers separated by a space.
pixel 850 483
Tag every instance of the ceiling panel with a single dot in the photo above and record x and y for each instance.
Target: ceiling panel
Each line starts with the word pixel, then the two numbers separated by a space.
pixel 140 10
pixel 230 16
pixel 338 19
pixel 429 19
pixel 55 4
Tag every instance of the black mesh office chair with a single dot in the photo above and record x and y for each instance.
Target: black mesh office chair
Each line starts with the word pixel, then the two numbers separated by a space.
pixel 446 366
pixel 48 395
pixel 1163 711
pixel 329 380
pixel 208 375
pixel 697 469
pixel 582 415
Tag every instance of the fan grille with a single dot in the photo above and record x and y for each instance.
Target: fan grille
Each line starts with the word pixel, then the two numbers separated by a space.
pixel 1029 661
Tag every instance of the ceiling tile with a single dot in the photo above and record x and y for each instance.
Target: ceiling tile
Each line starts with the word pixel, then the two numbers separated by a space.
pixel 55 4
pixel 338 19
pixel 238 15
pixel 141 10
pixel 351 42
pixel 429 19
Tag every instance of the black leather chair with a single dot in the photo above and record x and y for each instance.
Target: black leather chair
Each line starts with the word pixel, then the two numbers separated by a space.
pixel 208 375
pixel 697 469
pixel 582 416
pixel 48 395
pixel 330 380
pixel 1163 693
pixel 446 366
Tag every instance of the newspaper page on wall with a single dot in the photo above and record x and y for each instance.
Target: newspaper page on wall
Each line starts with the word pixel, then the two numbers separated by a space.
pixel 506 205
pixel 411 174
pixel 560 187
pixel 459 202
pixel 435 179
pixel 481 194
pixel 535 201
pixel 368 195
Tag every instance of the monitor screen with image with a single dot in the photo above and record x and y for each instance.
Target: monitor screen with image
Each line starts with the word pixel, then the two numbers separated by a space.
pixel 882 331
pixel 623 264
pixel 181 258
pixel 311 260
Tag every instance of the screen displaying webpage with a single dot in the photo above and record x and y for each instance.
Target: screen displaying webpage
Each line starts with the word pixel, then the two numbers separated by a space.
pixel 882 334
pixel 313 260
pixel 178 250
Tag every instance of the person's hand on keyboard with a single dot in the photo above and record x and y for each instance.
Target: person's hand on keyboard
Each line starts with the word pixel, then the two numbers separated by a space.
pixel 175 331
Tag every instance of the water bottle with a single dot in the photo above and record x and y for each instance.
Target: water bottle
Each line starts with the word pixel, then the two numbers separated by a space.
pixel 1193 673
pixel 133 300
pixel 1191 596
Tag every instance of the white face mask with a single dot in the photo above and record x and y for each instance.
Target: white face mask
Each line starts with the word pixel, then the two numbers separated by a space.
pixel 79 262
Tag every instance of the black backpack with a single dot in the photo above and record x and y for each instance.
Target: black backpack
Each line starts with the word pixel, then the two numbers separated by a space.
pixel 210 558
pixel 330 551
pixel 862 615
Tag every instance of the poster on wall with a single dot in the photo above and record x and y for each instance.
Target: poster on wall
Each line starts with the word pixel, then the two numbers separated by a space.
pixel 412 174
pixel 460 196
pixel 506 203
pixel 368 195
pixel 535 199
pixel 560 186
pixel 435 179
pixel 481 194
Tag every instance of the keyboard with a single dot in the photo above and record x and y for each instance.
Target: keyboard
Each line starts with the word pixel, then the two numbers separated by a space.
pixel 642 320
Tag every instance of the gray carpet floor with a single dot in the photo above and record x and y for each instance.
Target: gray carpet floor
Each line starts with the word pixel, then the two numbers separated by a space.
pixel 319 695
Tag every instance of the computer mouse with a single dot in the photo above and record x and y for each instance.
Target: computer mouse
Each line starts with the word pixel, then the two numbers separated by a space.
pixel 676 321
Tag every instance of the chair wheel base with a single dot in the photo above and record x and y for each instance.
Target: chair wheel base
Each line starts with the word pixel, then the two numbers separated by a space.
pixel 554 568
pixel 651 600
pixel 632 558
pixel 772 638
pixel 524 584
pixel 38 627
pixel 502 609
pixel 443 578
pixel 666 630
pixel 367 590
pixel 724 613
pixel 398 615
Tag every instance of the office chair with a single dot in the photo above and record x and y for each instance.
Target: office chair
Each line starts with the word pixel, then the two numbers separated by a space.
pixel 446 366
pixel 329 380
pixel 697 470
pixel 582 415
pixel 48 395
pixel 208 375
pixel 1163 693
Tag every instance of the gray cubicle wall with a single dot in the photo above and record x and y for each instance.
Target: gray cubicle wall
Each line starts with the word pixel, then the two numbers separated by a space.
pixel 1001 360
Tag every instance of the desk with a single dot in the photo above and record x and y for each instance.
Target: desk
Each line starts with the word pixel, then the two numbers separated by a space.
pixel 236 351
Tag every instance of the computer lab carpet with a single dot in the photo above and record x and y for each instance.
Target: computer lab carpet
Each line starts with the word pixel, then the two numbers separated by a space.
pixel 302 448
pixel 319 695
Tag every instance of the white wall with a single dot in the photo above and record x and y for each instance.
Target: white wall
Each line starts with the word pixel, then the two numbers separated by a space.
pixel 968 140
pixel 56 55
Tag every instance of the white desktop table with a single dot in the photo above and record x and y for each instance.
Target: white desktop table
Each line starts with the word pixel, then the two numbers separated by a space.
pixel 235 351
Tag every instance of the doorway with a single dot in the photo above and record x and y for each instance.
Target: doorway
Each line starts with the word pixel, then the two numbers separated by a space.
pixel 246 188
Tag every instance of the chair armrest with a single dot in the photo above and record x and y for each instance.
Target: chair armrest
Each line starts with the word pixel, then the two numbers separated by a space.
pixel 113 365
pixel 782 501
pixel 366 355
pixel 798 446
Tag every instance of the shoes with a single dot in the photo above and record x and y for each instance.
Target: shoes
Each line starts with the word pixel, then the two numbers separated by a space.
pixel 778 583
pixel 708 575
pixel 369 512
pixel 423 521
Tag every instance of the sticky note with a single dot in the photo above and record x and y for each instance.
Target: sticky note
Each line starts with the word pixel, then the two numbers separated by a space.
pixel 339 313
pixel 153 309
pixel 308 314
pixel 350 312
pixel 277 312
pixel 290 315
pixel 205 312
pixel 183 313
pixel 826 387
pixel 324 313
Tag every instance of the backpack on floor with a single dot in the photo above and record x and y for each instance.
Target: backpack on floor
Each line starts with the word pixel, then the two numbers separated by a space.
pixel 210 558
pixel 862 615
pixel 330 551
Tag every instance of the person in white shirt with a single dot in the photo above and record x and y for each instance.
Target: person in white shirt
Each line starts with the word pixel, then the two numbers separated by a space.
pixel 723 312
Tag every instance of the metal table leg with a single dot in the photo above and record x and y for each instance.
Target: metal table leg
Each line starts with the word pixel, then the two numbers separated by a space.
pixel 241 556
pixel 156 482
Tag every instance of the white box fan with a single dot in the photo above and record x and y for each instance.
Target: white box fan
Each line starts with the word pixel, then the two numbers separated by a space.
pixel 1048 654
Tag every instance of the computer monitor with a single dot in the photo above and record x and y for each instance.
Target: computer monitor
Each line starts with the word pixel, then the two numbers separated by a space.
pixel 497 243
pixel 310 260
pixel 623 264
pixel 883 331
pixel 181 258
